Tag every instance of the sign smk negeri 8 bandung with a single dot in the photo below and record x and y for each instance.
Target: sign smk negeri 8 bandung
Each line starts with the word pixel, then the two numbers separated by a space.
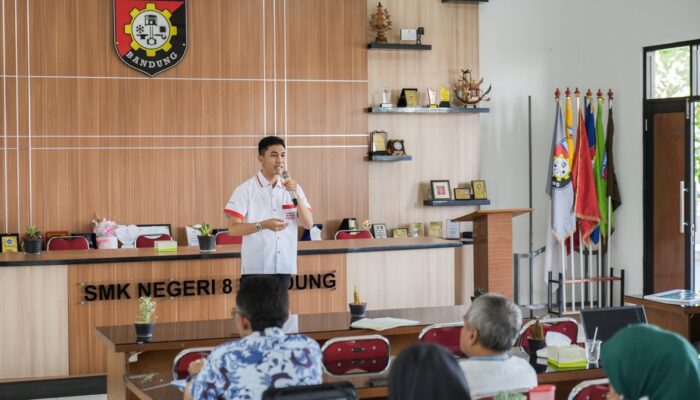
pixel 150 36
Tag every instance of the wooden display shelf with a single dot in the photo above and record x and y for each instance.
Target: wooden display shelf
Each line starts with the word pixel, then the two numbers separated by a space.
pixel 442 203
pixel 466 1
pixel 386 157
pixel 398 46
pixel 427 110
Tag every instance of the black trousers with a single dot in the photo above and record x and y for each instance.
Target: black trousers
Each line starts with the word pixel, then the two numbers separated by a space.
pixel 286 279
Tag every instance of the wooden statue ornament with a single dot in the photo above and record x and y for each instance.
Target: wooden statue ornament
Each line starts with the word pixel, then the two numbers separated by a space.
pixel 468 91
pixel 380 21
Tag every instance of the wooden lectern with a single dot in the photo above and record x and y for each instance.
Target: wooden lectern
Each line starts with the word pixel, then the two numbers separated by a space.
pixel 493 248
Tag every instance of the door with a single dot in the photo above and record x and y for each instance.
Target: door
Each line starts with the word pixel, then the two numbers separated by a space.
pixel 667 129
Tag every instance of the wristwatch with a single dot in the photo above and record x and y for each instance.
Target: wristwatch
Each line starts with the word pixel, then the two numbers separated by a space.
pixel 258 227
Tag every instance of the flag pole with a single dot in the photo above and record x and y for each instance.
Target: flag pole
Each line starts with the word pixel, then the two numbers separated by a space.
pixel 573 273
pixel 610 210
pixel 580 259
pixel 563 286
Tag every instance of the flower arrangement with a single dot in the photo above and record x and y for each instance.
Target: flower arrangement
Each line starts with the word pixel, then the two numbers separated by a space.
pixel 104 227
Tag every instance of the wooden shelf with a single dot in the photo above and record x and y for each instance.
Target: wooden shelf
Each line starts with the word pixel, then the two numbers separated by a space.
pixel 428 110
pixel 442 203
pixel 386 157
pixel 466 1
pixel 398 46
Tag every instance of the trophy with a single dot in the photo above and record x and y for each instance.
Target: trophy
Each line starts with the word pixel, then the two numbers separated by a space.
pixel 444 97
pixel 127 235
pixel 386 99
pixel 380 22
pixel 432 98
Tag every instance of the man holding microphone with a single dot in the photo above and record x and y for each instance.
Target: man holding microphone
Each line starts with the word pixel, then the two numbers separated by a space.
pixel 266 210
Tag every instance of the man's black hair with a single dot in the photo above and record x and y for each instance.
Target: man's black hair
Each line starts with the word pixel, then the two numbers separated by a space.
pixel 264 301
pixel 268 141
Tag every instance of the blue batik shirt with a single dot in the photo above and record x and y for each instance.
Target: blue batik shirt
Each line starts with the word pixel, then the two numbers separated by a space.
pixel 244 369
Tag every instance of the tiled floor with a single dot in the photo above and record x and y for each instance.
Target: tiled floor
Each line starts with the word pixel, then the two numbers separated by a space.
pixel 92 397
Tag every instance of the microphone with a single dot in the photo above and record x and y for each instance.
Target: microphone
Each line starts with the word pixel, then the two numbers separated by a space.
pixel 286 177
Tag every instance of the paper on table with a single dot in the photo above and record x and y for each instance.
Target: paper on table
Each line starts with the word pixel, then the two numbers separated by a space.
pixel 381 324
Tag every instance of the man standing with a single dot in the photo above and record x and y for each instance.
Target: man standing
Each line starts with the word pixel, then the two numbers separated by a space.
pixel 266 211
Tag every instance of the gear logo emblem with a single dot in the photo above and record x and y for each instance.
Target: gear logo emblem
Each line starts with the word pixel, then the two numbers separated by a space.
pixel 150 35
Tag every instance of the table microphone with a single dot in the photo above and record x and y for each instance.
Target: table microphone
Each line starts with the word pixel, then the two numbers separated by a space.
pixel 286 177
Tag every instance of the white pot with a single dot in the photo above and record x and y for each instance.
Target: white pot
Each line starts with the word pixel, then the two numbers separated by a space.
pixel 107 242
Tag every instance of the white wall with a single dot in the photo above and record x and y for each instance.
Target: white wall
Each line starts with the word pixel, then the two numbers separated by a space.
pixel 532 47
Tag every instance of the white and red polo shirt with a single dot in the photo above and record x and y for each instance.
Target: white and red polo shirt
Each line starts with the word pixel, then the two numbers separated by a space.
pixel 267 252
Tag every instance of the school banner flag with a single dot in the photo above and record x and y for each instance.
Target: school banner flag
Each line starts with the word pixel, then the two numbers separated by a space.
pixel 600 170
pixel 586 201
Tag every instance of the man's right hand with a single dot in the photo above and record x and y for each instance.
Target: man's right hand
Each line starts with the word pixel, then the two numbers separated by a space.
pixel 273 224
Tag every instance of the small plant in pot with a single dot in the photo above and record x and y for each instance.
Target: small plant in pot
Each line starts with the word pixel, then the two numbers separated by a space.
pixel 144 319
pixel 536 340
pixel 207 241
pixel 357 308
pixel 32 240
pixel 478 292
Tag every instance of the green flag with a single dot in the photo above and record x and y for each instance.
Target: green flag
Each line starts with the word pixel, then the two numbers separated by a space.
pixel 599 170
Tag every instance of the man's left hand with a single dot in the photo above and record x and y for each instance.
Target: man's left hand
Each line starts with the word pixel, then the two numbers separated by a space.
pixel 290 185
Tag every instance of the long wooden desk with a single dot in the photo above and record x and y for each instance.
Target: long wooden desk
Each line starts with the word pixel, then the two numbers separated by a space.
pixel 683 320
pixel 169 338
pixel 51 302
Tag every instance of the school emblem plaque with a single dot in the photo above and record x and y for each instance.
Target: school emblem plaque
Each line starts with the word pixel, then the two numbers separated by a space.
pixel 150 35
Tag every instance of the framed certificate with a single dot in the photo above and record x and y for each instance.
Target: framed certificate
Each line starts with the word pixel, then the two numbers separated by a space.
pixel 399 232
pixel 479 189
pixel 379 231
pixel 378 142
pixel 440 190
pixel 408 98
pixel 462 194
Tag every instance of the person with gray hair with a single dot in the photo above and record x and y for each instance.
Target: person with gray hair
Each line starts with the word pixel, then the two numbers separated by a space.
pixel 490 328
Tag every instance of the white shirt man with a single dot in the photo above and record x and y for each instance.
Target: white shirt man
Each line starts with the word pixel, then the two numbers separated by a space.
pixel 263 212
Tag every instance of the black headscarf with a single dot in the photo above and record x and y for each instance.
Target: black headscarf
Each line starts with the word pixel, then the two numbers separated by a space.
pixel 427 371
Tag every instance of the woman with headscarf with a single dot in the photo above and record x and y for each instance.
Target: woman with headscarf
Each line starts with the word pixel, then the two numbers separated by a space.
pixel 647 362
pixel 427 371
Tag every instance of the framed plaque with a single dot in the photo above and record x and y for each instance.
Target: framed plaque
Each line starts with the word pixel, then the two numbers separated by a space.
pixel 9 242
pixel 378 142
pixel 435 229
pixel 395 147
pixel 379 231
pixel 408 98
pixel 440 190
pixel 399 232
pixel 479 189
pixel 462 194
pixel 451 229
pixel 417 229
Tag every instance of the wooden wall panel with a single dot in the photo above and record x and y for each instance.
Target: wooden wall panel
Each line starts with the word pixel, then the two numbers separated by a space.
pixel 34 327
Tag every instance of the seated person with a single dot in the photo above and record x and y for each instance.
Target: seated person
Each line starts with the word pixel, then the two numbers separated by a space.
pixel 264 357
pixel 490 328
pixel 647 362
pixel 426 371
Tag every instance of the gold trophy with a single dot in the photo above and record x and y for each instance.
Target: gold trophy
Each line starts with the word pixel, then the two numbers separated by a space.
pixel 444 97
pixel 380 22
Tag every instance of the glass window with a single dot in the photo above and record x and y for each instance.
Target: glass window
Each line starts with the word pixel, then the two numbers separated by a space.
pixel 669 73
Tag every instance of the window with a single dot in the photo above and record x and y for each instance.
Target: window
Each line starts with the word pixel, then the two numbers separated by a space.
pixel 668 72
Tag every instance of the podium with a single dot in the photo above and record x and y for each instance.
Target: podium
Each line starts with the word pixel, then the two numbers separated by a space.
pixel 493 248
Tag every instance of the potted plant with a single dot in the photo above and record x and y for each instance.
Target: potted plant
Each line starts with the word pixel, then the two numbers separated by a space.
pixel 144 319
pixel 536 340
pixel 32 240
pixel 357 308
pixel 207 241
pixel 478 292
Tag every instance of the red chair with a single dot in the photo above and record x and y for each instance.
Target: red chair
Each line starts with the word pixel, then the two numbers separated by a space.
pixel 148 240
pixel 565 326
pixel 185 357
pixel 595 389
pixel 368 354
pixel 222 237
pixel 446 335
pixel 346 235
pixel 67 243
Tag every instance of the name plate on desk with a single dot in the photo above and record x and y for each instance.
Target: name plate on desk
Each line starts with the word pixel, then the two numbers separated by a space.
pixel 165 245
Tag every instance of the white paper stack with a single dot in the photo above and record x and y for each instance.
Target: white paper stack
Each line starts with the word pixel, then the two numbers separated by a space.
pixel 381 324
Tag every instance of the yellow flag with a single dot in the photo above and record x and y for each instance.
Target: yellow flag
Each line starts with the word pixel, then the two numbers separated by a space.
pixel 570 130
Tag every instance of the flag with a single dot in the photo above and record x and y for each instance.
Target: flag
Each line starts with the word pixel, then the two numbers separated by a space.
pixel 600 170
pixel 612 189
pixel 562 221
pixel 586 201
pixel 570 131
pixel 592 140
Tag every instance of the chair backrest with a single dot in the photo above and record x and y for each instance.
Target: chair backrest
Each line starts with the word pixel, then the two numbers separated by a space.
pixel 351 355
pixel 67 243
pixel 222 237
pixel 446 335
pixel 595 389
pixel 565 326
pixel 185 357
pixel 326 391
pixel 360 234
pixel 148 240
